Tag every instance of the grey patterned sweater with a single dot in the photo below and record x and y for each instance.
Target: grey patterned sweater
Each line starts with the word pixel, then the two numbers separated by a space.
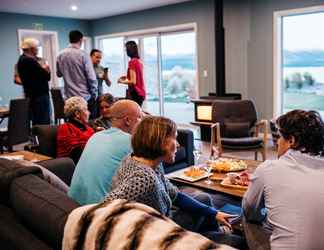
pixel 137 182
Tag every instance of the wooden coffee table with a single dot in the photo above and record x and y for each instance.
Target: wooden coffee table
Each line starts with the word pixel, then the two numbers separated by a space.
pixel 216 186
pixel 29 156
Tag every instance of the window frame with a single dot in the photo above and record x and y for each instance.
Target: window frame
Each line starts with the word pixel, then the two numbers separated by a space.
pixel 158 32
pixel 278 55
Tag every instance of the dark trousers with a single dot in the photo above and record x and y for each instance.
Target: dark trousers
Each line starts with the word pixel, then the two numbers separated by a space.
pixel 40 109
pixel 132 95
pixel 92 107
pixel 205 226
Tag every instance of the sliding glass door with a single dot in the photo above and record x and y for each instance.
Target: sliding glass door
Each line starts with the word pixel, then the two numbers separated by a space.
pixel 179 82
pixel 149 48
pixel 113 58
pixel 303 65
pixel 299 60
pixel 169 71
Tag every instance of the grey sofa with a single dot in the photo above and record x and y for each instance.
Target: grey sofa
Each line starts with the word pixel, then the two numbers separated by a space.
pixel 32 211
pixel 47 146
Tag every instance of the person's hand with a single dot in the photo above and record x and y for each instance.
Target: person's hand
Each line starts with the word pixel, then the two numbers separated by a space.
pixel 46 67
pixel 122 79
pixel 223 218
pixel 99 129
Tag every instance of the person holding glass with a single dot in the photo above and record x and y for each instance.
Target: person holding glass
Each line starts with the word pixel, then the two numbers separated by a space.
pixel 101 72
pixel 34 77
pixel 135 75
pixel 140 178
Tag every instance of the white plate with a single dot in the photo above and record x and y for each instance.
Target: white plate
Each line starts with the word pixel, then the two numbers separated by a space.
pixel 181 175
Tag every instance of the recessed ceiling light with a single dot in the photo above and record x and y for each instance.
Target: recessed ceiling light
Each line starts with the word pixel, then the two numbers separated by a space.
pixel 74 7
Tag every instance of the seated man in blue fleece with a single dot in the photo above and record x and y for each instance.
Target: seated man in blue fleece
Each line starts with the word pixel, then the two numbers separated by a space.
pixel 103 153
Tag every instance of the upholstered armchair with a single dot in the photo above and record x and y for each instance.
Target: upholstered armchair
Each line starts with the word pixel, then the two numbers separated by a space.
pixel 18 129
pixel 235 127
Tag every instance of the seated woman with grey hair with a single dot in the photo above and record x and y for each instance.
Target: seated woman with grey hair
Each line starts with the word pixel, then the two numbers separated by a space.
pixel 73 135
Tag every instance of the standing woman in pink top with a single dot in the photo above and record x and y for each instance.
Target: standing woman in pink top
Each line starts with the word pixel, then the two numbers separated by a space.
pixel 135 75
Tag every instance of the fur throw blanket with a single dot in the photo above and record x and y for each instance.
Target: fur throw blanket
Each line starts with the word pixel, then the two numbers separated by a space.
pixel 125 225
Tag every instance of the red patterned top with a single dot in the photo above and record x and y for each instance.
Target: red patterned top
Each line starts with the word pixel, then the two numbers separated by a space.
pixel 72 137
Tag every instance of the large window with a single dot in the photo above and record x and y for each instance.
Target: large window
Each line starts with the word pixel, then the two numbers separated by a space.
pixel 179 75
pixel 301 59
pixel 113 58
pixel 169 70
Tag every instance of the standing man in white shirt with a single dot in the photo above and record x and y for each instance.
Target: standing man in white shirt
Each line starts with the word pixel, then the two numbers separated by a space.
pixel 76 68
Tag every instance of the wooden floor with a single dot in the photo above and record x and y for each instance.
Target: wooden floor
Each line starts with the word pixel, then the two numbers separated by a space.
pixel 271 151
pixel 205 147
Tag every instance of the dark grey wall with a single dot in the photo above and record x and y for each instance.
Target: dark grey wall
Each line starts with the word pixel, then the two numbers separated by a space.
pixel 249 44
pixel 10 23
pixel 237 34
pixel 199 11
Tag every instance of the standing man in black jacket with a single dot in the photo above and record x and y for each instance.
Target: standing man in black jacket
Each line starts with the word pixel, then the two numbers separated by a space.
pixel 35 74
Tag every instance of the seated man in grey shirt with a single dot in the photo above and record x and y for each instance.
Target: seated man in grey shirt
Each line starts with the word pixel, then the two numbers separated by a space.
pixel 283 206
pixel 76 68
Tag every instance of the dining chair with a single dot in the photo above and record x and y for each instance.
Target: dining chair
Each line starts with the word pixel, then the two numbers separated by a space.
pixel 58 104
pixel 235 126
pixel 18 130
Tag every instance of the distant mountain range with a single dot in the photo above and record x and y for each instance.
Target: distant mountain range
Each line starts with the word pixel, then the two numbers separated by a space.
pixel 309 58
pixel 186 61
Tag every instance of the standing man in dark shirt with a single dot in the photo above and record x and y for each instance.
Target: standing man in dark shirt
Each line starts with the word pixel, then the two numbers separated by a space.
pixel 101 72
pixel 34 78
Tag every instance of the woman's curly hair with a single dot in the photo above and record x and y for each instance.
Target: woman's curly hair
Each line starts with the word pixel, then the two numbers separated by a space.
pixel 306 127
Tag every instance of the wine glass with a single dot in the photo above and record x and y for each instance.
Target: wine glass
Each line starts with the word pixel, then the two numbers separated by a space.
pixel 208 169
pixel 214 152
pixel 34 143
pixel 197 154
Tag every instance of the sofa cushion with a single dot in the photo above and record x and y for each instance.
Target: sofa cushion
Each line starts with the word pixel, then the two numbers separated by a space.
pixel 13 235
pixel 61 167
pixel 236 129
pixel 242 143
pixel 9 170
pixel 48 176
pixel 43 208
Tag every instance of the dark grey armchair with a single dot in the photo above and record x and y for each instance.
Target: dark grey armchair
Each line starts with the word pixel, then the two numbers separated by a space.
pixel 235 127
pixel 47 146
pixel 18 130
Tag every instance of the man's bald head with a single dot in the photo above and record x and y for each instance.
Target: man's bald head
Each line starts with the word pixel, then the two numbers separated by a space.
pixel 125 114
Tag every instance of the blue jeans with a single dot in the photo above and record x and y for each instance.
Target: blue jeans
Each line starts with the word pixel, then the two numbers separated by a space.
pixel 205 226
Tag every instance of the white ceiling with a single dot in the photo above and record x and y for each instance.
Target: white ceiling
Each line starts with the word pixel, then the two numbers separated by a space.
pixel 87 9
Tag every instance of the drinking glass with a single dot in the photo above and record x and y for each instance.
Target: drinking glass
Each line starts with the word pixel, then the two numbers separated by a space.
pixel 197 154
pixel 214 152
pixel 208 170
pixel 34 143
